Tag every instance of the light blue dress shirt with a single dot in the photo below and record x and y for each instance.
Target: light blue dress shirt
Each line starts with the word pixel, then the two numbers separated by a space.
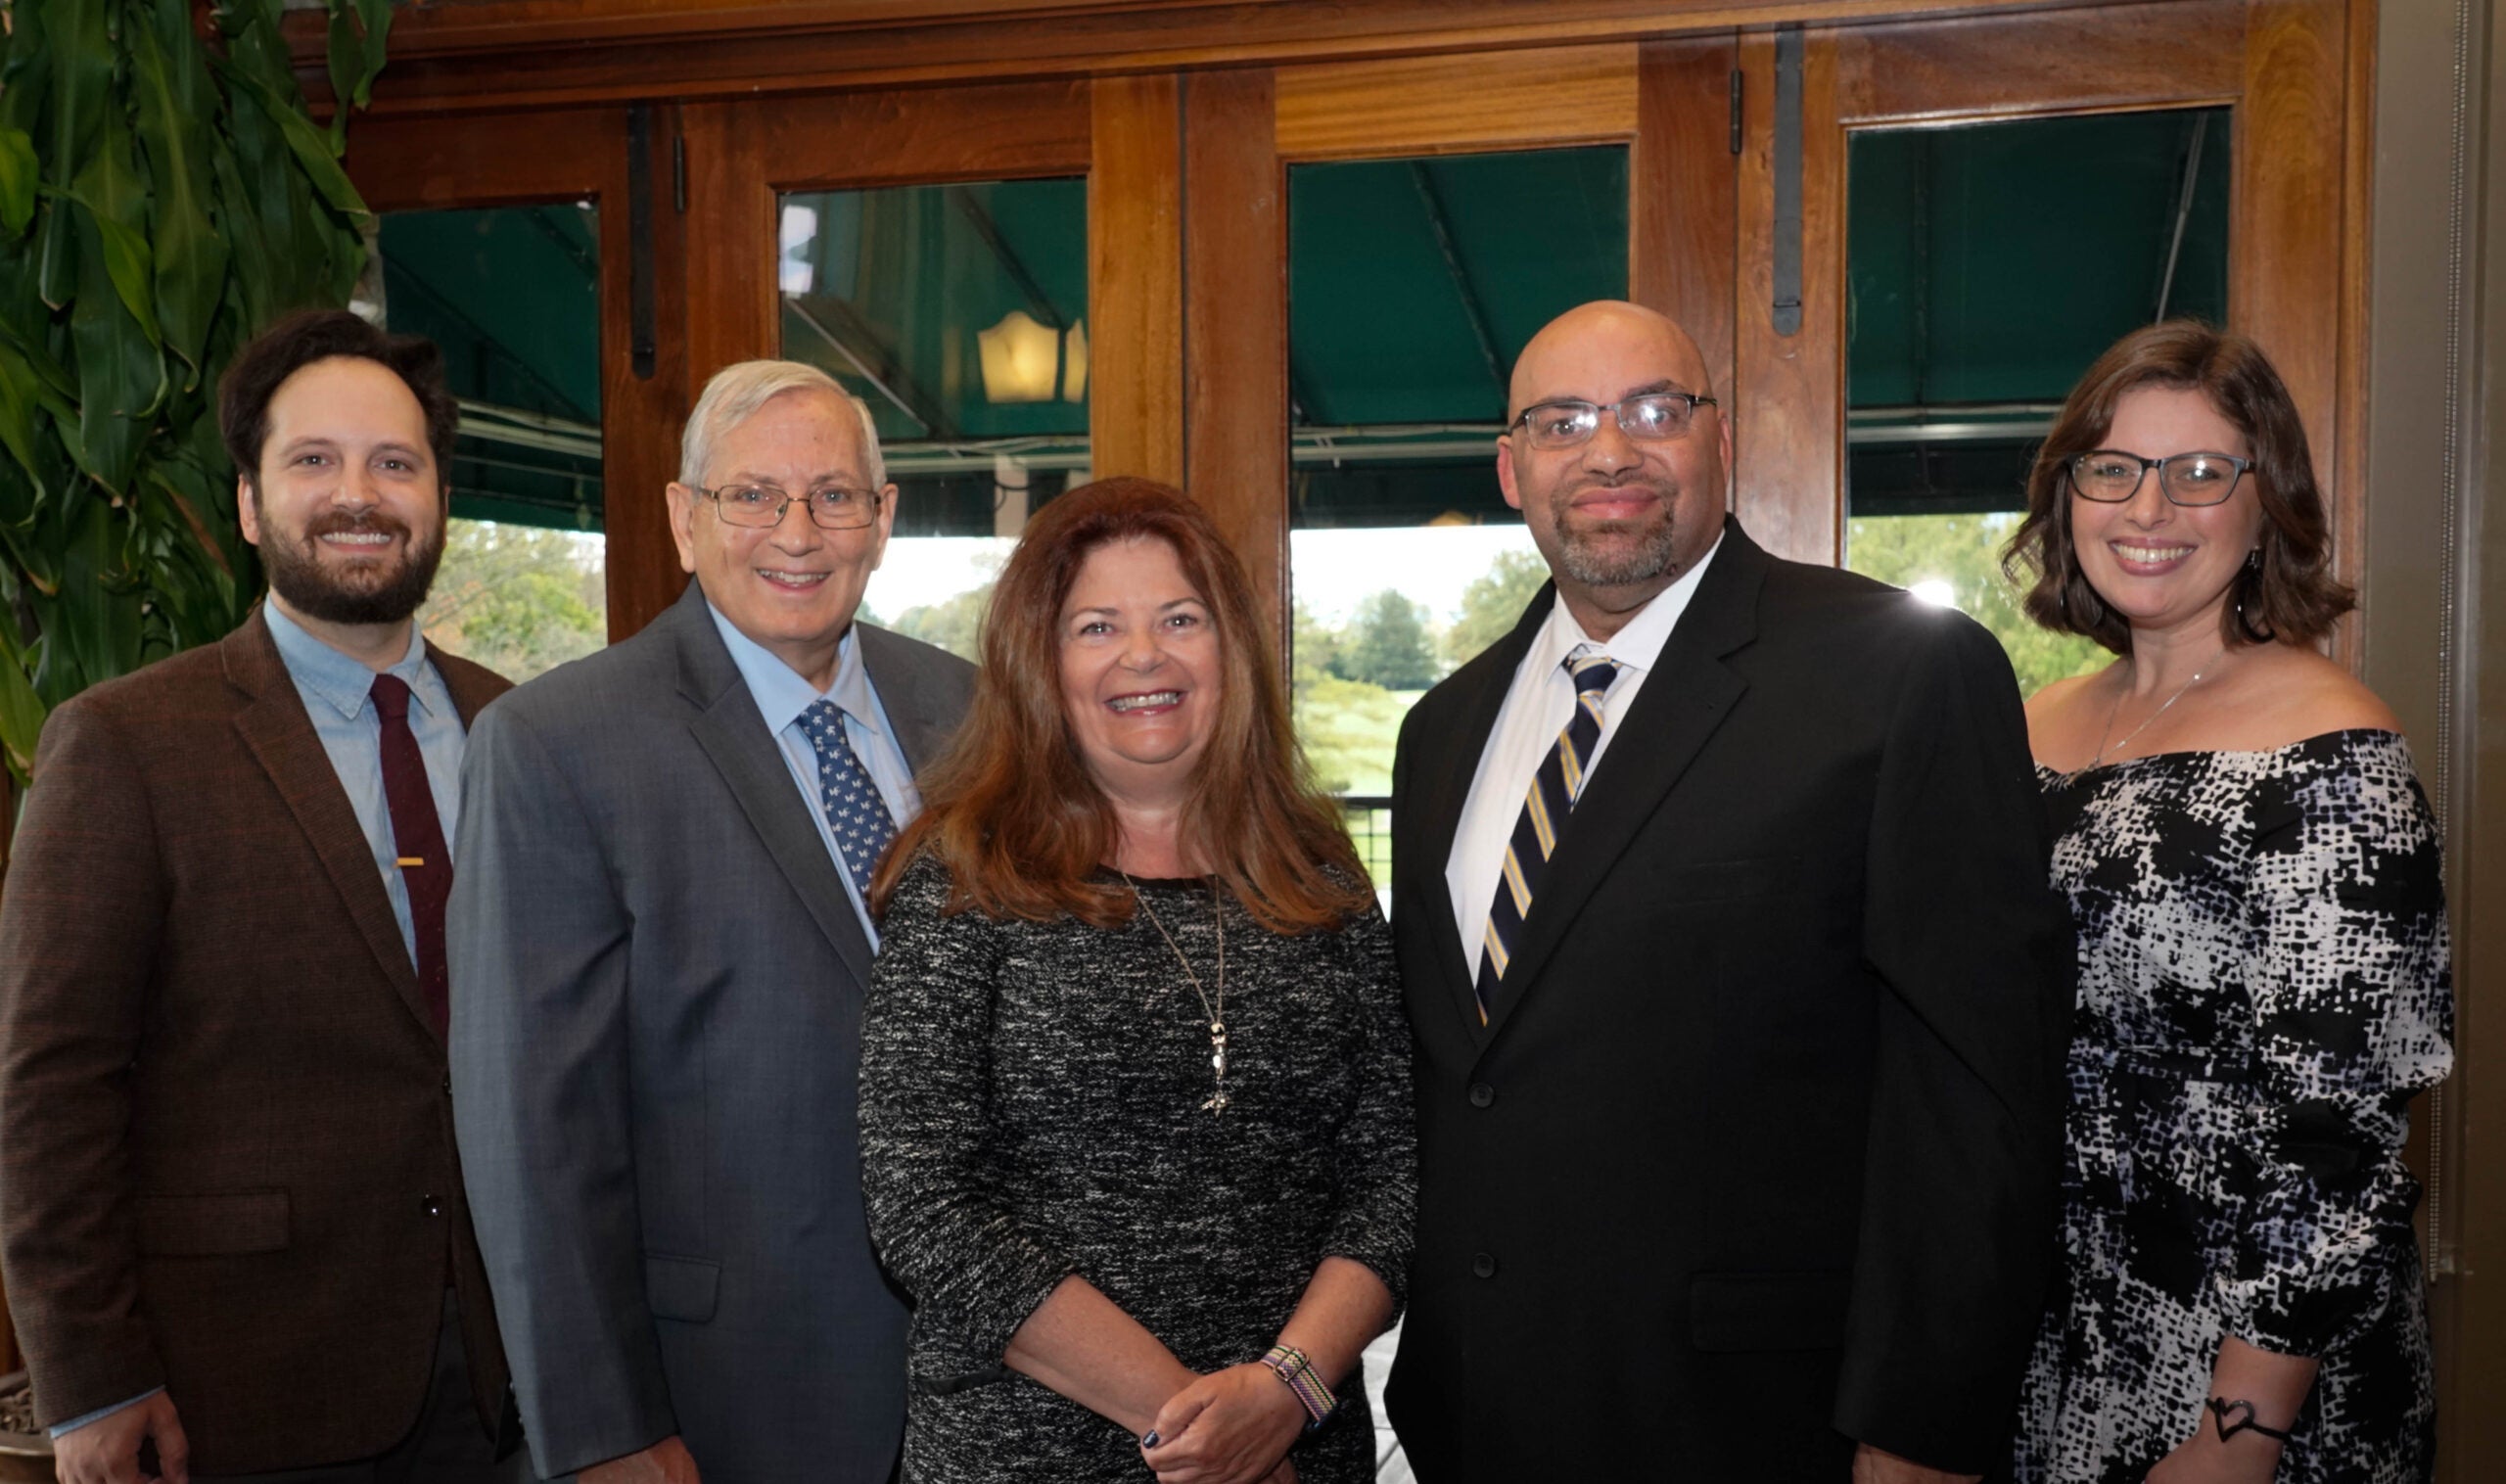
pixel 338 695
pixel 781 695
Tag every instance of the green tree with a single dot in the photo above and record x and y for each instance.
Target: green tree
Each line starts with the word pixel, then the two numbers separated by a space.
pixel 517 599
pixel 1388 644
pixel 1964 551
pixel 1314 647
pixel 955 624
pixel 1493 603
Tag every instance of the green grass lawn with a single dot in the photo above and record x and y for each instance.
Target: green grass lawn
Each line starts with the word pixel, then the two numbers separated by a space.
pixel 1349 730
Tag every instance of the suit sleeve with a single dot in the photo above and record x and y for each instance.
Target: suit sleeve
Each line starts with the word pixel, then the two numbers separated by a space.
pixel 1973 950
pixel 79 940
pixel 536 937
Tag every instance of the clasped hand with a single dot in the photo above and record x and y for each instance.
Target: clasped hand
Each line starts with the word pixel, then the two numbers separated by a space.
pixel 1231 1426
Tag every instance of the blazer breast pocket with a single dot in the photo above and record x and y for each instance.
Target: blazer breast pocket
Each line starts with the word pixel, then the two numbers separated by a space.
pixel 229 1224
pixel 1768 1310
pixel 1727 880
pixel 683 1288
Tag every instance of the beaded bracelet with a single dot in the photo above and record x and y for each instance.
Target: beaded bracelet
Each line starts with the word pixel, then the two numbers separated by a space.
pixel 1290 1366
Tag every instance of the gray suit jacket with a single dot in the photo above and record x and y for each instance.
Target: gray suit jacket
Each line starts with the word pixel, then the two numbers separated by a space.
pixel 658 986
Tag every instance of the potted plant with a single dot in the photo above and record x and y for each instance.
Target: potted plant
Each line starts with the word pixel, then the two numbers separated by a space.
pixel 165 193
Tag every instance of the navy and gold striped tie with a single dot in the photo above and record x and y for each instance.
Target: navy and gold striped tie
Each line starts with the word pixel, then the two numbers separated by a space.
pixel 1553 791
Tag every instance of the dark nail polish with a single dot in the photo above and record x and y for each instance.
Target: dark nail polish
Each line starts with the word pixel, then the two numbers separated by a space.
pixel 1149 1439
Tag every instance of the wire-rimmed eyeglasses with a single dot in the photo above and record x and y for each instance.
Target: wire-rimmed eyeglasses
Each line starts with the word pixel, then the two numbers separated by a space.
pixel 831 507
pixel 1649 418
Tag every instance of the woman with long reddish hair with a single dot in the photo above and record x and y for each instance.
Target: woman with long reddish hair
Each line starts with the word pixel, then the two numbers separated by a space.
pixel 1135 1110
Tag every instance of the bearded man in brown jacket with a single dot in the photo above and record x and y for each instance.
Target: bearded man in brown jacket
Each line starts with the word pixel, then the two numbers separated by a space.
pixel 231 1217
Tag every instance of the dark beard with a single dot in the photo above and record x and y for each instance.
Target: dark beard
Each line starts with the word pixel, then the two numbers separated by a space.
pixel 369 596
pixel 1581 559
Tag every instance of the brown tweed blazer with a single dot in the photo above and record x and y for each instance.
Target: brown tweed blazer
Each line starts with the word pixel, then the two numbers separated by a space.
pixel 226 1160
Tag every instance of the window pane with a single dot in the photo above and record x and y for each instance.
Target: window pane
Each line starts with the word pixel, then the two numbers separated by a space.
pixel 512 296
pixel 1413 285
pixel 959 313
pixel 1988 267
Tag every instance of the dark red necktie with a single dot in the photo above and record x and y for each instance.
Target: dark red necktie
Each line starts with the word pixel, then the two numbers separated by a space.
pixel 417 838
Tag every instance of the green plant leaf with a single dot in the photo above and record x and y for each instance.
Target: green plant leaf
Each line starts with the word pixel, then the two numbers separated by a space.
pixel 356 37
pixel 121 375
pixel 110 185
pixel 311 147
pixel 19 422
pixel 84 60
pixel 19 172
pixel 22 714
pixel 25 73
pixel 189 255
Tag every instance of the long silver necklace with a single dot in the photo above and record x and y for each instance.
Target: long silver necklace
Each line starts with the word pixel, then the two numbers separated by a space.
pixel 1215 1010
pixel 2117 709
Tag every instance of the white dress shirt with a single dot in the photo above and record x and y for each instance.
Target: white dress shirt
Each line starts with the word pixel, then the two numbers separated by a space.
pixel 781 695
pixel 1539 703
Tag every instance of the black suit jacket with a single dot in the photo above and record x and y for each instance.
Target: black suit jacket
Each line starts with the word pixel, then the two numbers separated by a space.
pixel 1758 1153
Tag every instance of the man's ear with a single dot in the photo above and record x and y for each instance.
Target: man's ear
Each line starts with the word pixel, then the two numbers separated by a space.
pixel 247 514
pixel 1505 484
pixel 683 524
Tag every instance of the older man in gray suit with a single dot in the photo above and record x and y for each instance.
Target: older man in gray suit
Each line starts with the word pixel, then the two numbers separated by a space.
pixel 659 945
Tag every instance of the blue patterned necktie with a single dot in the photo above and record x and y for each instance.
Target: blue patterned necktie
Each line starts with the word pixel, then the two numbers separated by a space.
pixel 854 811
pixel 1552 797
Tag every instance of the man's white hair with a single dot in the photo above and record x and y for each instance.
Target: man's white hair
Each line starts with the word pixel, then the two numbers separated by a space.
pixel 738 391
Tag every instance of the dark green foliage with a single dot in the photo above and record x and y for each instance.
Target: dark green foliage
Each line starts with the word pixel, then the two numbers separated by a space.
pixel 161 200
pixel 1387 644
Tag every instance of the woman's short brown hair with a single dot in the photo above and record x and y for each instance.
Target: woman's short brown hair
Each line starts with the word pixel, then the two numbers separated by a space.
pixel 2290 594
pixel 1011 808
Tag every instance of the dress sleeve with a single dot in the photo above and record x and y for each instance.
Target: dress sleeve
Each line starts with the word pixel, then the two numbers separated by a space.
pixel 1377 1153
pixel 935 1210
pixel 2353 1012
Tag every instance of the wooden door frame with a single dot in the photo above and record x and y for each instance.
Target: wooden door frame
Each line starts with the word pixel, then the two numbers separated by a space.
pixel 409 164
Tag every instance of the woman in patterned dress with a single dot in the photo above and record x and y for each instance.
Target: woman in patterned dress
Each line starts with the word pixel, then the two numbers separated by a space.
pixel 1136 1097
pixel 2264 983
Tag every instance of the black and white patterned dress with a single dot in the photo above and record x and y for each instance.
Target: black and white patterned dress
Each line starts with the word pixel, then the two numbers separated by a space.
pixel 1032 1107
pixel 2264 983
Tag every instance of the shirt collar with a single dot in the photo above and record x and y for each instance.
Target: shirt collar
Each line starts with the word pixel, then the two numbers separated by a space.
pixel 781 695
pixel 342 682
pixel 1637 646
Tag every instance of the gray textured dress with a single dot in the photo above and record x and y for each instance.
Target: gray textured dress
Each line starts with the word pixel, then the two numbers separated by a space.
pixel 1032 1108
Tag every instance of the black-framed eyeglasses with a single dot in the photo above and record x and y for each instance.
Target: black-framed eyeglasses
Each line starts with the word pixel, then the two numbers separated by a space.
pixel 831 507
pixel 1649 418
pixel 2110 476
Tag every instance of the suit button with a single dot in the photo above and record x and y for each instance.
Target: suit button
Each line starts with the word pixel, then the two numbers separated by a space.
pixel 448 1081
pixel 1482 1094
pixel 1483 1266
pixel 428 1205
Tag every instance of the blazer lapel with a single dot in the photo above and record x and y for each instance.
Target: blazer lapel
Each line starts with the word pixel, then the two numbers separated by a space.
pixel 1442 784
pixel 1684 701
pixel 922 728
pixel 281 738
pixel 734 736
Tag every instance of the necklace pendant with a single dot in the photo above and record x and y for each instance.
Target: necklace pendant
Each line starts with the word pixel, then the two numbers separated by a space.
pixel 1216 1103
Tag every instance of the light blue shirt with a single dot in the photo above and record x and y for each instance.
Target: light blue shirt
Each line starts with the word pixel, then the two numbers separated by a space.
pixel 337 692
pixel 338 695
pixel 781 695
